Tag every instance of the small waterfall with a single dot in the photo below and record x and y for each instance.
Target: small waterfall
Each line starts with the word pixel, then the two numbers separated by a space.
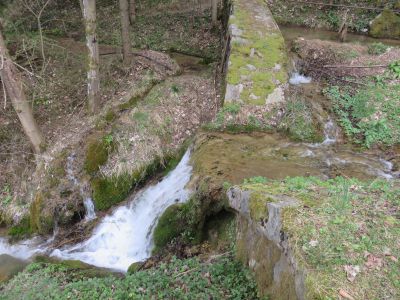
pixel 296 78
pixel 330 132
pixel 90 213
pixel 126 235
pixel 89 208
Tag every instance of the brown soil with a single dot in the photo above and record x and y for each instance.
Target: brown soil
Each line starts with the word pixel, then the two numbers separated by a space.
pixel 335 61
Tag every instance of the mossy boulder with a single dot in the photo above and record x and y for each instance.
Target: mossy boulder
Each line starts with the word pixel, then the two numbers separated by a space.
pixel 171 224
pixel 10 266
pixel 41 219
pixel 136 266
pixel 386 25
pixel 21 230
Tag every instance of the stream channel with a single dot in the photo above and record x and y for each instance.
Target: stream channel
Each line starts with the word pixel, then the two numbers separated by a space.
pixel 125 235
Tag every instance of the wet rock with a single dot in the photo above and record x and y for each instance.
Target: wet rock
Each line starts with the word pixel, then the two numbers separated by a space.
pixel 10 266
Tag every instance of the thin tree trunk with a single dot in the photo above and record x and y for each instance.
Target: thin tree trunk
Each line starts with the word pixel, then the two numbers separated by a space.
pixel 81 5
pixel 13 84
pixel 214 12
pixel 126 42
pixel 89 13
pixel 132 11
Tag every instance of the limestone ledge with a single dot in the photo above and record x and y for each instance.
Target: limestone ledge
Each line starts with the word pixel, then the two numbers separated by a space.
pixel 256 71
pixel 263 246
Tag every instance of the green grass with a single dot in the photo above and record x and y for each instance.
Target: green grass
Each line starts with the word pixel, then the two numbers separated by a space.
pixel 179 279
pixel 299 123
pixel 369 116
pixel 343 223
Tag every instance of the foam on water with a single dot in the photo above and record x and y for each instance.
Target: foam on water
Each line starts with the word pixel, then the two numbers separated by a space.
pixel 297 78
pixel 125 236
pixel 22 250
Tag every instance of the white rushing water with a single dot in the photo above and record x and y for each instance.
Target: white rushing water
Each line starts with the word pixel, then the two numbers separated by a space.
pixel 90 213
pixel 126 235
pixel 296 78
pixel 22 250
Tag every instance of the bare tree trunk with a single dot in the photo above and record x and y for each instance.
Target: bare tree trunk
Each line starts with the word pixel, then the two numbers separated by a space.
pixel 13 85
pixel 126 41
pixel 89 13
pixel 214 12
pixel 132 11
pixel 81 5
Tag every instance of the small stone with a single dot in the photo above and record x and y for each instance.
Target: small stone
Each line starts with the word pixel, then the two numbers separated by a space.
pixel 252 51
pixel 251 67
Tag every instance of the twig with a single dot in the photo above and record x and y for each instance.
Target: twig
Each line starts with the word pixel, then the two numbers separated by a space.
pixel 343 5
pixel 341 79
pixel 2 82
pixel 350 67
pixel 186 272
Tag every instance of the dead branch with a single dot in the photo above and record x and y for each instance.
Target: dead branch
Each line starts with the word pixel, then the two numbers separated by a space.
pixel 351 67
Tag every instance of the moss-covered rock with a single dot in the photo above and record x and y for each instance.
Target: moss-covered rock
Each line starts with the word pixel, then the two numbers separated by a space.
pixel 41 219
pixel 97 154
pixel 171 224
pixel 136 266
pixel 110 191
pixel 20 231
pixel 386 25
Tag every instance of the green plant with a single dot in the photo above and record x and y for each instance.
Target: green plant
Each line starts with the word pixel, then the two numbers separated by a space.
pixel 220 278
pixel 369 115
pixel 255 180
pixel 6 195
pixel 377 48
pixel 395 69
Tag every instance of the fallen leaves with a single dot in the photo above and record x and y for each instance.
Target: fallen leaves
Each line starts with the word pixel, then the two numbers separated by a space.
pixel 345 295
pixel 373 262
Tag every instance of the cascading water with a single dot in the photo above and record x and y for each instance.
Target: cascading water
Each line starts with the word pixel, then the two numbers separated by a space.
pixel 296 78
pixel 90 213
pixel 126 235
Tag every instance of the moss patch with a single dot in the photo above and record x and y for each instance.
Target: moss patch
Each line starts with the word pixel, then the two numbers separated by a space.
pixel 258 58
pixel 40 221
pixel 386 25
pixel 97 154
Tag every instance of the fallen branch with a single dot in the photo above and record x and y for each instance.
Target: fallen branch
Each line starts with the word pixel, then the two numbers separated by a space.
pixel 141 55
pixel 355 67
pixel 344 5
pixel 341 79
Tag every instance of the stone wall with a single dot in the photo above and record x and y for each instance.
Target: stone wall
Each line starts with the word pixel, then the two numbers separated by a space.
pixel 256 68
pixel 263 246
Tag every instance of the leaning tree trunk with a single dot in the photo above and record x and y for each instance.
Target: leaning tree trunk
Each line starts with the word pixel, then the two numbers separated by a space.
pixel 132 11
pixel 13 84
pixel 89 14
pixel 126 42
pixel 214 12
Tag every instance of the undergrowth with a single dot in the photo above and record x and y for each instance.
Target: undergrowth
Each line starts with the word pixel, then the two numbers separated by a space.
pixel 369 116
pixel 221 278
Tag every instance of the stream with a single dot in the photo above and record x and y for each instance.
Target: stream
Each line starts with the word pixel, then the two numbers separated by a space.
pixel 125 235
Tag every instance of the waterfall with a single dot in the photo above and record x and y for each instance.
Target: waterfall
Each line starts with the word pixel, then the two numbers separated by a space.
pixel 296 78
pixel 126 235
pixel 90 213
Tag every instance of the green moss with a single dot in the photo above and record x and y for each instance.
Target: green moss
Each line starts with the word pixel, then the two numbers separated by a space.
pixel 135 267
pixel 97 154
pixel 41 221
pixel 110 116
pixel 21 231
pixel 386 25
pixel 170 225
pixel 254 60
pixel 110 191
